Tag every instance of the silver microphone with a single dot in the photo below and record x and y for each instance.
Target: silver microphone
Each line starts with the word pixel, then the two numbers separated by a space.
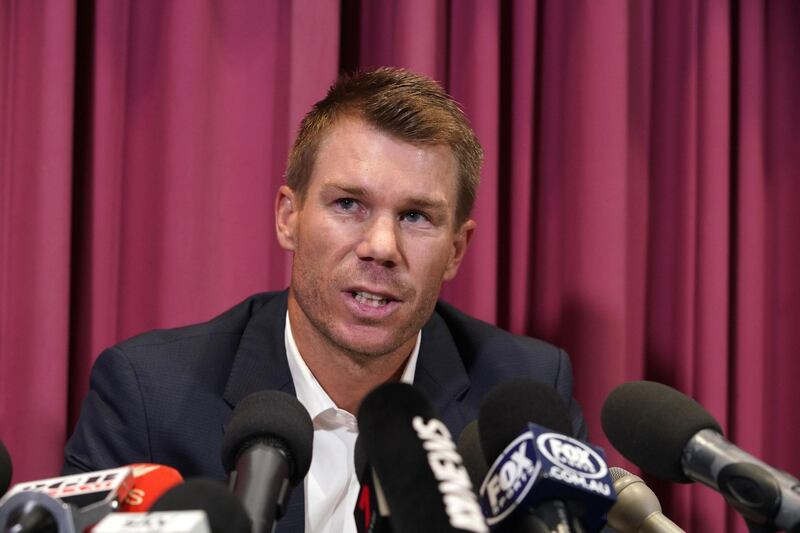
pixel 637 509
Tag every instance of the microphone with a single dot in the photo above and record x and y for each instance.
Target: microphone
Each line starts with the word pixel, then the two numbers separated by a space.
pixel 637 509
pixel 37 512
pixel 5 469
pixel 421 474
pixel 540 479
pixel 66 504
pixel 225 513
pixel 508 408
pixel 159 522
pixel 150 481
pixel 673 437
pixel 371 512
pixel 268 443
pixel 469 446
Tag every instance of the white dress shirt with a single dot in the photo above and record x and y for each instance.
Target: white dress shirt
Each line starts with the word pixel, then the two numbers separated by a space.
pixel 331 486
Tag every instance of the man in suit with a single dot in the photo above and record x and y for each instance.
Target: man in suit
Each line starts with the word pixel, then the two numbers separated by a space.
pixel 380 184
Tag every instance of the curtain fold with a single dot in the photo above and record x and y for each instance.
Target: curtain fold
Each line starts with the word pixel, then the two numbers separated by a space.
pixel 636 206
pixel 766 287
pixel 36 126
pixel 191 115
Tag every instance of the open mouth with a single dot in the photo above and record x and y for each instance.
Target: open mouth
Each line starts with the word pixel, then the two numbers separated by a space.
pixel 372 300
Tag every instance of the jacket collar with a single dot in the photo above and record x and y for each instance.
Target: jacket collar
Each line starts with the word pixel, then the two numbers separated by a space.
pixel 260 361
pixel 440 374
pixel 260 364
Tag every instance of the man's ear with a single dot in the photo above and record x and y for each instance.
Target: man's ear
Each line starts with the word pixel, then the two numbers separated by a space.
pixel 286 209
pixel 460 241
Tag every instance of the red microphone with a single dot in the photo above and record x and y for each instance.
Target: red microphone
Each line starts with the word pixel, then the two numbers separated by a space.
pixel 150 481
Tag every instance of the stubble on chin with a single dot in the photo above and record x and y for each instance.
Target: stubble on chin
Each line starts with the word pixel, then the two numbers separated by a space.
pixel 312 303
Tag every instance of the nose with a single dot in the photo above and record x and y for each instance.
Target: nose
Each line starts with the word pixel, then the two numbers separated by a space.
pixel 380 243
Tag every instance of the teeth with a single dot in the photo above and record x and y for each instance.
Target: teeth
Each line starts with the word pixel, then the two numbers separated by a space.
pixel 370 299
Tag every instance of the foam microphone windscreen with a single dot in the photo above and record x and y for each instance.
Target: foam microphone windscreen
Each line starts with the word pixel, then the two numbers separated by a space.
pixel 397 427
pixel 510 406
pixel 469 446
pixel 5 469
pixel 360 461
pixel 274 417
pixel 150 481
pixel 225 512
pixel 370 512
pixel 651 423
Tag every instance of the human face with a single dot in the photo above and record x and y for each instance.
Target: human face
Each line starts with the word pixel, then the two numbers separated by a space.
pixel 373 239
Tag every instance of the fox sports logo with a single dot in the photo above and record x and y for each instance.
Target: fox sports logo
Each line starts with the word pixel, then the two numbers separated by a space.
pixel 573 455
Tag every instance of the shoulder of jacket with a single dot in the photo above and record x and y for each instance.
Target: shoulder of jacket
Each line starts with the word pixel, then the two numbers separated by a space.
pixel 467 329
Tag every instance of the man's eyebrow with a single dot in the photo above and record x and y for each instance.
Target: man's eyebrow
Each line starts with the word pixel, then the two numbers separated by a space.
pixel 428 203
pixel 347 189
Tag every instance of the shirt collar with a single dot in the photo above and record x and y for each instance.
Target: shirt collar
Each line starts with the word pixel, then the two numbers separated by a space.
pixel 310 393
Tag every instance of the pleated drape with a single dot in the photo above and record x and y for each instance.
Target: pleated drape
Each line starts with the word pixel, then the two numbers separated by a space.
pixel 636 206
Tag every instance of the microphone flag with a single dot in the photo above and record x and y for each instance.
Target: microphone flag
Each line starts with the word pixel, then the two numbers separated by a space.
pixel 541 465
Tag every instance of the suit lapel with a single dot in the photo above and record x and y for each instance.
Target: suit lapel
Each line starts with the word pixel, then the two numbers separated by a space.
pixel 260 364
pixel 260 361
pixel 441 374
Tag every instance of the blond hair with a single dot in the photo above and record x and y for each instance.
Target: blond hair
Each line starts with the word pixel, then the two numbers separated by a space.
pixel 411 107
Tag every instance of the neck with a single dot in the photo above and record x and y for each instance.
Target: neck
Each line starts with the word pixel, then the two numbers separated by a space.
pixel 346 376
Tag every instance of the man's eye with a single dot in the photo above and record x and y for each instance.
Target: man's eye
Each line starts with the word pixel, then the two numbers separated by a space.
pixel 346 204
pixel 414 217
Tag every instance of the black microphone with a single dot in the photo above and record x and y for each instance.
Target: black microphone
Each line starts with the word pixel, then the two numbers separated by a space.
pixel 540 478
pixel 225 513
pixel 511 406
pixel 268 442
pixel 671 436
pixel 637 509
pixel 469 446
pixel 5 469
pixel 371 512
pixel 421 474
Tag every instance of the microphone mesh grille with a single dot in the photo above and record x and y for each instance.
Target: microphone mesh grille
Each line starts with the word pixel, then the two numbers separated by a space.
pixel 617 473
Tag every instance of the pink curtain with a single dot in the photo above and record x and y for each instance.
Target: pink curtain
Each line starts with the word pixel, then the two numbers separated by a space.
pixel 642 166
pixel 37 58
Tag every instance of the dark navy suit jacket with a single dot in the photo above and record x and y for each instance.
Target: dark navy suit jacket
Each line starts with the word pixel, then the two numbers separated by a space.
pixel 165 396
